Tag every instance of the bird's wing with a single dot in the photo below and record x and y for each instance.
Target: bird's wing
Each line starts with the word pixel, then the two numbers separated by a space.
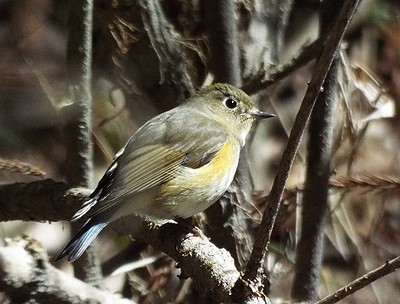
pixel 150 162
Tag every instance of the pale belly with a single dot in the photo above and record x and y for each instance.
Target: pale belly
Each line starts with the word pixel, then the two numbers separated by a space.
pixel 194 190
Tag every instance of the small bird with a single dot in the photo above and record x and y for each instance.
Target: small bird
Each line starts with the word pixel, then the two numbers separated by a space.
pixel 176 165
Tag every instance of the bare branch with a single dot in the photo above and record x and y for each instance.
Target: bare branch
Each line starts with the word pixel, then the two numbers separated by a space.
pixel 212 268
pixel 45 200
pixel 26 275
pixel 254 270
pixel 173 62
pixel 365 182
pixel 78 113
pixel 77 130
pixel 361 282
pixel 222 36
pixel 20 167
pixel 262 81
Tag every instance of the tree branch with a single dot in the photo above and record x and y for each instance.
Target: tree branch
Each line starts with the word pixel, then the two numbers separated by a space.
pixel 254 271
pixel 45 200
pixel 212 268
pixel 26 275
pixel 223 44
pixel 361 282
pixel 77 130
pixel 262 81
pixel 173 61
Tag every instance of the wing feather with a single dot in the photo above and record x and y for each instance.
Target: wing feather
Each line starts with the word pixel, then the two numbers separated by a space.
pixel 152 168
pixel 150 162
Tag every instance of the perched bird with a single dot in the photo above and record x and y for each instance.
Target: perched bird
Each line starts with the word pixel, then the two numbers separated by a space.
pixel 176 165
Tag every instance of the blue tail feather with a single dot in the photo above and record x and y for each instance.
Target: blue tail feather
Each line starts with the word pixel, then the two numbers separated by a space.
pixel 85 236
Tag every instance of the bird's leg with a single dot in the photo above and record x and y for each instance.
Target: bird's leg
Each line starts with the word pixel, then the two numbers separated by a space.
pixel 196 231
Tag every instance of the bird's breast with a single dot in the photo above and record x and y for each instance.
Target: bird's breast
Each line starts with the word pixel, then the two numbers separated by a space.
pixel 193 190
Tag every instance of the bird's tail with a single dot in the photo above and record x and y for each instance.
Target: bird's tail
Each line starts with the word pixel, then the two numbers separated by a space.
pixel 85 236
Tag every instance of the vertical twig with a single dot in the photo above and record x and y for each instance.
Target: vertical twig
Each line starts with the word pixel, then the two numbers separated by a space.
pixel 254 271
pixel 77 131
pixel 222 36
pixel 79 62
pixel 315 198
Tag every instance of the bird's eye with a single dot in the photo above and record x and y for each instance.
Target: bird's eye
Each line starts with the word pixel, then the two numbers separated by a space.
pixel 230 103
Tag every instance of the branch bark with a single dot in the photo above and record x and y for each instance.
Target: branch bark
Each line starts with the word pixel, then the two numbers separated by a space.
pixel 223 41
pixel 261 81
pixel 172 57
pixel 79 168
pixel 45 200
pixel 78 114
pixel 361 282
pixel 212 268
pixel 26 276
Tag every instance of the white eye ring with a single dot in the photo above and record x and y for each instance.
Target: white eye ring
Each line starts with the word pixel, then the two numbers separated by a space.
pixel 230 103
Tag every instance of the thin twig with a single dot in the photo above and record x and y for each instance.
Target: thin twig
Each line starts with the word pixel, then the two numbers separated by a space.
pixel 367 182
pixel 389 267
pixel 78 135
pixel 374 182
pixel 262 81
pixel 254 271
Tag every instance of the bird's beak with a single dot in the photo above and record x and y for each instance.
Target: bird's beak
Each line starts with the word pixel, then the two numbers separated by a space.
pixel 261 115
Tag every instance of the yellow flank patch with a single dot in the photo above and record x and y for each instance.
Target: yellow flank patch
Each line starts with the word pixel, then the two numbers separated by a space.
pixel 193 187
pixel 219 166
pixel 193 190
